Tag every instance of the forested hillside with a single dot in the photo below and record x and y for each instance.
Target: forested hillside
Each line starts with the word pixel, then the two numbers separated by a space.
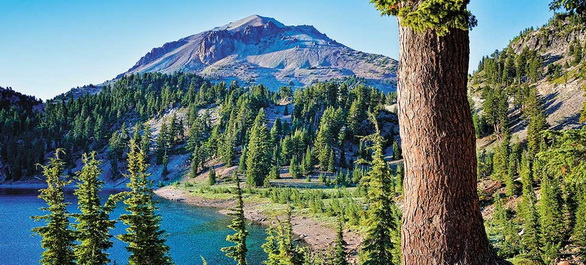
pixel 527 104
pixel 549 62
pixel 321 123
pixel 18 117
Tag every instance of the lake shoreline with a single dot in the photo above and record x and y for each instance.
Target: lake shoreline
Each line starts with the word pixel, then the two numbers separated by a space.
pixel 312 232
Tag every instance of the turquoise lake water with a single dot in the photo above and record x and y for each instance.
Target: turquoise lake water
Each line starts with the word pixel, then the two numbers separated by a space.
pixel 192 231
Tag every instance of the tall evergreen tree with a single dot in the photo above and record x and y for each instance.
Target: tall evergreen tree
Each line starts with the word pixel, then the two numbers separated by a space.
pixel 195 162
pixel 242 160
pixel 332 161
pixel 537 122
pixel 307 162
pixel 294 168
pixel 397 154
pixel 330 123
pixel 530 239
pixel 115 151
pixel 58 237
pixel 237 252
pixel 510 176
pixel 212 177
pixel 162 144
pixel 146 141
pixel 144 235
pixel 550 218
pixel 258 158
pixel 93 222
pixel 377 247
pixel 227 147
pixel 501 159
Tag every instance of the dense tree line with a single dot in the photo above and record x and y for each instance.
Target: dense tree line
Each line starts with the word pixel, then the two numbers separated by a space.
pixel 333 114
pixel 19 116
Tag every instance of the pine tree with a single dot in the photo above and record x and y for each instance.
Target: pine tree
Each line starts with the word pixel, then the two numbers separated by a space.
pixel 162 144
pixel 332 161
pixel 399 180
pixel 537 122
pixel 144 235
pixel 340 245
pixel 146 141
pixel 212 177
pixel 258 158
pixel 509 177
pixel 304 172
pixel 237 252
pixel 325 139
pixel 377 247
pixel 501 159
pixel 242 160
pixel 397 151
pixel 356 116
pixel 58 237
pixel 294 168
pixel 93 222
pixel 271 247
pixel 526 175
pixel 530 239
pixel 276 131
pixel 165 171
pixel 478 128
pixel 173 129
pixel 136 136
pixel 550 218
pixel 307 162
pixel 275 172
pixel 115 151
pixel 515 158
pixel 195 162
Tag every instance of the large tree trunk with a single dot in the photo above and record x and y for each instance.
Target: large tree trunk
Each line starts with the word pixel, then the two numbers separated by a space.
pixel 442 223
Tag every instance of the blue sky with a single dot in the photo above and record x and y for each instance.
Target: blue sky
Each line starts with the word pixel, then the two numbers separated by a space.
pixel 50 46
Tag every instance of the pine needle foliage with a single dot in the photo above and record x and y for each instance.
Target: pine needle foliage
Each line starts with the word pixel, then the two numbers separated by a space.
pixel 93 222
pixel 57 236
pixel 238 251
pixel 144 235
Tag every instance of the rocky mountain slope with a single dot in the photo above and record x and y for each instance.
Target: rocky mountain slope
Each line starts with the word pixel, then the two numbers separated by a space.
pixel 560 78
pixel 263 50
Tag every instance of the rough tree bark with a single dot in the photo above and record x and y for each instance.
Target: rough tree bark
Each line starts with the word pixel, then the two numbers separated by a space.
pixel 442 223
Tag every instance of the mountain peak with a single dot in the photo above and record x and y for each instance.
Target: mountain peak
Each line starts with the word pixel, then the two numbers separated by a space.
pixel 263 50
pixel 250 21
